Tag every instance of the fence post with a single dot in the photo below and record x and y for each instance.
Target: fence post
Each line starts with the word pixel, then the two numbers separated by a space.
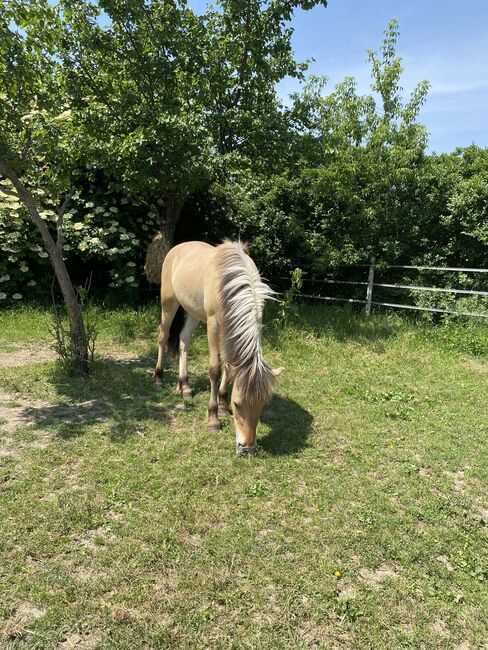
pixel 369 290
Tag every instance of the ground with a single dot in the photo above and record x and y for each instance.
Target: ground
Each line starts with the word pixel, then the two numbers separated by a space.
pixel 361 523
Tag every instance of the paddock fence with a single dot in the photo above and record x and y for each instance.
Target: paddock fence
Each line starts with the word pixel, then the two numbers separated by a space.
pixel 370 285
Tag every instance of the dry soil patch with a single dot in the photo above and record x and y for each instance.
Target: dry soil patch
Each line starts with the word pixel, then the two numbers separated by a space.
pixel 374 577
pixel 24 356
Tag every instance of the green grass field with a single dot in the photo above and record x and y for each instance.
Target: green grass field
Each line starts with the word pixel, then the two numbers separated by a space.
pixel 361 523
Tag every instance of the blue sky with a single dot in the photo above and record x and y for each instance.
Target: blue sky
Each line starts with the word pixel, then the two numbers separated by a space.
pixel 443 41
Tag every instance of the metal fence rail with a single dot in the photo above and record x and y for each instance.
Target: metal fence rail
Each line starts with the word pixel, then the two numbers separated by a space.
pixel 371 284
pixel 430 268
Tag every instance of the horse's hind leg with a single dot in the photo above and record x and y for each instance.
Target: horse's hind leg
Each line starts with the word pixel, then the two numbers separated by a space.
pixel 168 310
pixel 185 338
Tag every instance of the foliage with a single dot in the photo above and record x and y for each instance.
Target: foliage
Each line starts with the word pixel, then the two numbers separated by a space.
pixel 350 194
pixel 147 101
pixel 104 234
pixel 453 206
pixel 329 181
pixel 287 306
pixel 171 100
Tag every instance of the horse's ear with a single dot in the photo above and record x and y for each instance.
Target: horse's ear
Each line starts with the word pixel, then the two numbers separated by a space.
pixel 277 371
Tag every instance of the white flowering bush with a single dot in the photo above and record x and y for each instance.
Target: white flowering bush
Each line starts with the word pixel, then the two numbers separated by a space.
pixel 106 234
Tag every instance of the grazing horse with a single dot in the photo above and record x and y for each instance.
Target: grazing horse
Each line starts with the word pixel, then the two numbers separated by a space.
pixel 220 286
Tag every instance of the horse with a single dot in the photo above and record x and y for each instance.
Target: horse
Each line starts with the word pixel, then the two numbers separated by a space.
pixel 220 286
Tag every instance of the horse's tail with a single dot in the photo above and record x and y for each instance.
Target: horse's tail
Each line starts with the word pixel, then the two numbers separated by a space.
pixel 175 330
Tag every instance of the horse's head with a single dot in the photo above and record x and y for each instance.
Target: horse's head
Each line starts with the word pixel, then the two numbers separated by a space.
pixel 247 410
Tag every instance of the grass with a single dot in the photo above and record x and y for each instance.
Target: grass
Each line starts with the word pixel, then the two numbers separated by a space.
pixel 362 522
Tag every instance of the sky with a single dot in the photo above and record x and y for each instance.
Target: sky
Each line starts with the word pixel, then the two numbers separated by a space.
pixel 443 41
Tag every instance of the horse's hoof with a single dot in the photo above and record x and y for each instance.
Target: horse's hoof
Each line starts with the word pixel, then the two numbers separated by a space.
pixel 223 410
pixel 241 450
pixel 157 381
pixel 186 404
pixel 213 428
pixel 187 394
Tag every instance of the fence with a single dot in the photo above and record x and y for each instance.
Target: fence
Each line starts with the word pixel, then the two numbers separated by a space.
pixel 370 284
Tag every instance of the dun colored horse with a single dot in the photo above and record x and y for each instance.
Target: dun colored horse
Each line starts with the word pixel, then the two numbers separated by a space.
pixel 220 286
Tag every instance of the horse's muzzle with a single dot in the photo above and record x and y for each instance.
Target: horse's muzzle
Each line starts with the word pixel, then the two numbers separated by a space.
pixel 242 450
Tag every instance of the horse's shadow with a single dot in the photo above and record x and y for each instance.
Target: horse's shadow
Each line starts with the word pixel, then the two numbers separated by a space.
pixel 290 425
pixel 121 395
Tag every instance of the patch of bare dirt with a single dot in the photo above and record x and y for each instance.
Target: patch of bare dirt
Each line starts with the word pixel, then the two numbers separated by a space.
pixel 16 626
pixel 17 411
pixel 14 410
pixel 458 480
pixel 85 574
pixel 374 577
pixel 41 353
pixel 166 584
pixel 24 356
pixel 348 591
pixel 80 641
pixel 91 538
pixel 484 514
pixel 317 636
pixel 478 366
pixel 445 561
pixel 440 628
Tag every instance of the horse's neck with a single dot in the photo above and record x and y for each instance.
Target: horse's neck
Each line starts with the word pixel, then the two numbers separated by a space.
pixel 242 299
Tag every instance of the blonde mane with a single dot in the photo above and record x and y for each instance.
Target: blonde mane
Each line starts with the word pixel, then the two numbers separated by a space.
pixel 242 294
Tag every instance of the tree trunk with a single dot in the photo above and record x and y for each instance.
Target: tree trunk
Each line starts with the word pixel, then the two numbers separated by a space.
pixel 163 240
pixel 73 307
pixel 173 212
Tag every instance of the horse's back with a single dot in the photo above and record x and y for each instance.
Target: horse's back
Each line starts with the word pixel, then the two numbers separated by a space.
pixel 189 275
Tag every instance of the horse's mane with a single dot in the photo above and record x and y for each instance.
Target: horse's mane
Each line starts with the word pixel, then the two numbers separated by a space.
pixel 242 294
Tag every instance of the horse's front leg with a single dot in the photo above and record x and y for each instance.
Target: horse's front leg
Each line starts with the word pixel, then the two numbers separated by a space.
pixel 214 373
pixel 223 403
pixel 185 338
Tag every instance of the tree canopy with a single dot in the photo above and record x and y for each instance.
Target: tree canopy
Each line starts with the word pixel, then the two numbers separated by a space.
pixel 120 117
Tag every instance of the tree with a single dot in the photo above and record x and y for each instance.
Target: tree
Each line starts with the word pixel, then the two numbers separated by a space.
pixel 171 100
pixel 36 141
pixel 350 192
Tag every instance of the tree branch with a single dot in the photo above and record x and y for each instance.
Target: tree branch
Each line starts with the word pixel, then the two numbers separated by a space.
pixel 27 146
pixel 59 219
pixel 3 190
pixel 243 64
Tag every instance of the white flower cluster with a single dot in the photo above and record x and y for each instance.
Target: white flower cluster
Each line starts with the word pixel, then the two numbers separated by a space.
pixel 15 296
pixel 92 228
